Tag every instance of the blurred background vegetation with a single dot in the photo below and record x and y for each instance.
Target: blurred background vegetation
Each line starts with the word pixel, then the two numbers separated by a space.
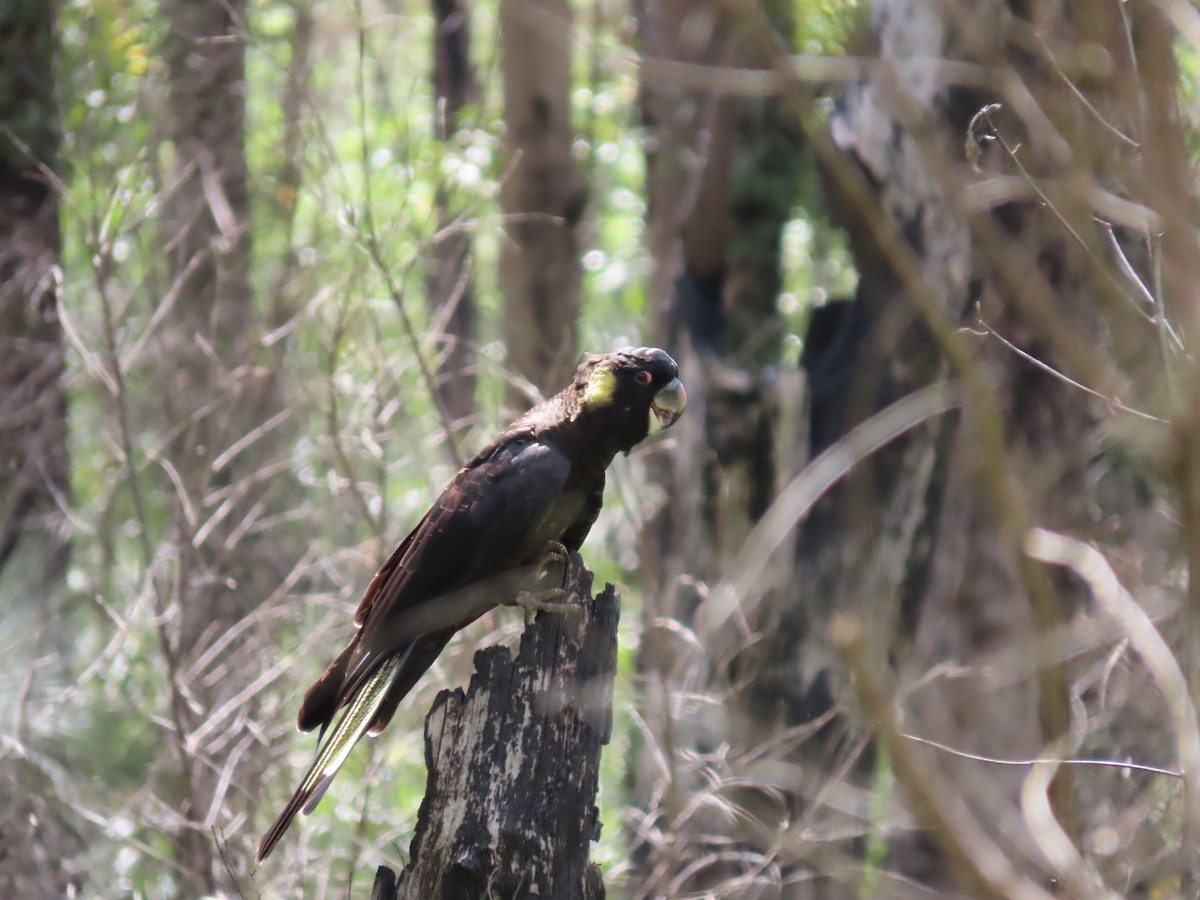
pixel 272 270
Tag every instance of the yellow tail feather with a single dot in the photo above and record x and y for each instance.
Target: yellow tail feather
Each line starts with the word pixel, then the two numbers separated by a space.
pixel 335 748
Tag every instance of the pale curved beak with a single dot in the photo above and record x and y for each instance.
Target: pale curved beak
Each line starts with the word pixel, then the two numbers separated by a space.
pixel 668 405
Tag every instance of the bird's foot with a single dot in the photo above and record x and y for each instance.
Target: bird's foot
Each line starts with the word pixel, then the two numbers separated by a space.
pixel 551 601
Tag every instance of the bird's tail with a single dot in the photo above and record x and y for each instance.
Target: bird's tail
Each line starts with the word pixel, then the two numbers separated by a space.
pixel 334 749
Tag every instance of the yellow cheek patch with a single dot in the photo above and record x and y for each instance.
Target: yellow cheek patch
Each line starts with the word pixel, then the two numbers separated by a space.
pixel 600 387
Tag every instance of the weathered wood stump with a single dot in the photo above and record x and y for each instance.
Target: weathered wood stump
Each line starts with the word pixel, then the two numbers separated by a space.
pixel 514 763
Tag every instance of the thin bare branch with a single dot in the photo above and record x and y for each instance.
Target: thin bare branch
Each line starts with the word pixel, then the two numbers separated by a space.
pixel 1090 565
pixel 798 497
pixel 975 856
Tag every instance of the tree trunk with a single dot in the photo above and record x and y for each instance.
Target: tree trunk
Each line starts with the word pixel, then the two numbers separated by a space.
pixel 34 478
pixel 722 179
pixel 223 408
pixel 924 540
pixel 514 763
pixel 449 286
pixel 33 406
pixel 542 195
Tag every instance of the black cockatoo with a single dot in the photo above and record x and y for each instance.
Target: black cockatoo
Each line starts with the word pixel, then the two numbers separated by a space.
pixel 535 488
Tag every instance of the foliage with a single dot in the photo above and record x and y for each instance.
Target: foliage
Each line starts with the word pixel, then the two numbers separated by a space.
pixel 366 449
pixel 342 227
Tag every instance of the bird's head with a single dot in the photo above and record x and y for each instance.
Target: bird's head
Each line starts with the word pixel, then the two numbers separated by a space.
pixel 636 389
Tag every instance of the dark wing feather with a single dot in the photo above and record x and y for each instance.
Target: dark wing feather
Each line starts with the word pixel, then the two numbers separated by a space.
pixel 385 574
pixel 321 699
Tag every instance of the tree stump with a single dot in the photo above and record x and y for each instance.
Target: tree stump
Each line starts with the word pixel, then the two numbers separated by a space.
pixel 514 763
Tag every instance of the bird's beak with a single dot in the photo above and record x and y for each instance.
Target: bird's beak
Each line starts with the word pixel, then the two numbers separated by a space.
pixel 667 406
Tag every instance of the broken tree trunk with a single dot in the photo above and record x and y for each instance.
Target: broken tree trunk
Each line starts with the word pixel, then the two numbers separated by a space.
pixel 514 763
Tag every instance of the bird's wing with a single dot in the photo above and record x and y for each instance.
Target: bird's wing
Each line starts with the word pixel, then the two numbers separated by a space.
pixel 477 528
pixel 492 518
pixel 481 525
pixel 466 484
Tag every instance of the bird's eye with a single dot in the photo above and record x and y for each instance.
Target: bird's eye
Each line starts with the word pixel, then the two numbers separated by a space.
pixel 643 377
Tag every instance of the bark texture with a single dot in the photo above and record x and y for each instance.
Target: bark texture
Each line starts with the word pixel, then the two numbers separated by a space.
pixel 542 196
pixel 514 763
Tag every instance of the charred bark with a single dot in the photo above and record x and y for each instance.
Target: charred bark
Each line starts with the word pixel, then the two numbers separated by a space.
pixel 514 763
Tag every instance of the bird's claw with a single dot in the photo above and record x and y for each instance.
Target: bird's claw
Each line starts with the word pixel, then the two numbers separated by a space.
pixel 555 553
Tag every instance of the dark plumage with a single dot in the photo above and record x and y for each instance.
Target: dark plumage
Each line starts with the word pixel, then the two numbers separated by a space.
pixel 539 483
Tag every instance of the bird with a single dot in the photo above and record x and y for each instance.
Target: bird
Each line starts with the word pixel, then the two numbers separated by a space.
pixel 533 492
